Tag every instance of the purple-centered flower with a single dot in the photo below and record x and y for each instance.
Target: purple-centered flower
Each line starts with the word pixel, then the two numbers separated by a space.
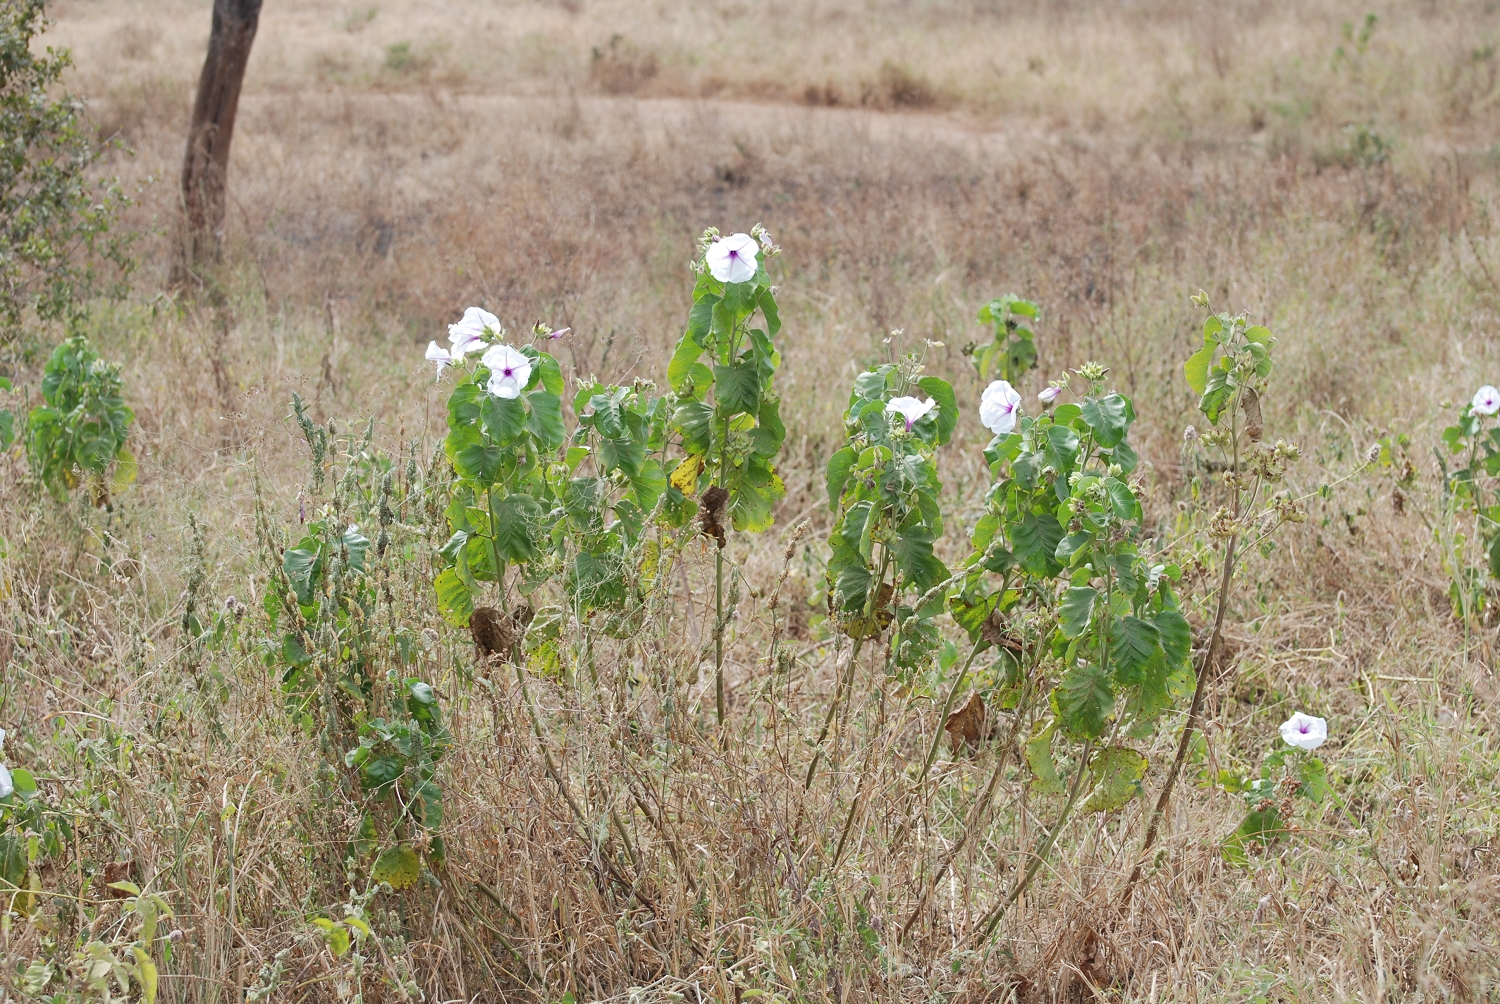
pixel 998 407
pixel 7 783
pixel 732 259
pixel 509 371
pixel 1487 400
pixel 1304 731
pixel 469 334
pixel 1049 395
pixel 910 409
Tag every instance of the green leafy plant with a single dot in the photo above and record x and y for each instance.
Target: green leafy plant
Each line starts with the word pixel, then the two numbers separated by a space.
pixel 99 962
pixel 397 765
pixel 883 486
pixel 727 417
pixel 77 436
pixel 1061 532
pixel 1013 350
pixel 55 219
pixel 1230 373
pixel 1471 501
pixel 1288 774
pixel 504 426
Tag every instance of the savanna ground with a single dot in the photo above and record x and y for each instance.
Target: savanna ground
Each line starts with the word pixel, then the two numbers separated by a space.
pixel 1329 167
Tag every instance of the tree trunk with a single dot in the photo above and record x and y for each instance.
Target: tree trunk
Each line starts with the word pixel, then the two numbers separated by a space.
pixel 206 162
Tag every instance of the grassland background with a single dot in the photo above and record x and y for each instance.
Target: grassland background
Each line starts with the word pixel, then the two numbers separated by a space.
pixel 395 163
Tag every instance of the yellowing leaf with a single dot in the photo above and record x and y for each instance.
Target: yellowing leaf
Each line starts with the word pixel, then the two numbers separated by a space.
pixel 397 866
pixel 686 474
pixel 1117 772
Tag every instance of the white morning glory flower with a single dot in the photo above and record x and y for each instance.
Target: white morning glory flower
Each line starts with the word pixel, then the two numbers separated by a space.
pixel 1304 731
pixel 468 335
pixel 437 354
pixel 509 371
pixel 910 409
pixel 998 407
pixel 1487 400
pixel 732 259
pixel 7 786
pixel 1049 395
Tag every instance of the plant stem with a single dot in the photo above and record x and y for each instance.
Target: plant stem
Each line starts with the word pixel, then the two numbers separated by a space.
pixel 937 735
pixel 719 634
pixel 1039 857
pixel 845 681
pixel 1187 732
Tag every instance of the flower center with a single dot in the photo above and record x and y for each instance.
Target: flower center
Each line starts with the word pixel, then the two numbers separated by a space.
pixel 734 254
pixel 1304 729
pixel 508 372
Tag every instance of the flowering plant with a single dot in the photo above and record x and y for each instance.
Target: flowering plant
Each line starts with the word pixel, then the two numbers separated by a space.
pixel 1471 491
pixel 1056 580
pixel 727 418
pixel 504 425
pixel 1289 772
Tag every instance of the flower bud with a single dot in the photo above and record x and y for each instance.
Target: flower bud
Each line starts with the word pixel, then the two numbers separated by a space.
pixel 1049 395
pixel 1189 434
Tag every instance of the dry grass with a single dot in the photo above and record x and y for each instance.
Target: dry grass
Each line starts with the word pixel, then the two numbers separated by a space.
pixel 1106 160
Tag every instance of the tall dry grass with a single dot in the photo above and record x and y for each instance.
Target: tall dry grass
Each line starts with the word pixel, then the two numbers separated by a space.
pixel 1106 161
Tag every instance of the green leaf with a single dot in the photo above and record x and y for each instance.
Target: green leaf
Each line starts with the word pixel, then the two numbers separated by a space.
pixel 694 420
pixel 1117 773
pixel 303 568
pixel 551 374
pixel 1034 541
pixel 1085 700
pixel 1133 645
pixel 398 866
pixel 356 544
pixel 1217 395
pixel 941 391
pixel 838 474
pixel 687 353
pixel 737 388
pixel 1315 783
pixel 912 549
pixel 428 800
pixel 503 418
pixel 476 462
pixel 1122 500
pixel 1077 610
pixel 145 974
pixel 545 421
pixel 366 839
pixel 1196 367
pixel 293 653
pixel 1176 637
pixel 515 520
pixel 1110 418
pixel 455 602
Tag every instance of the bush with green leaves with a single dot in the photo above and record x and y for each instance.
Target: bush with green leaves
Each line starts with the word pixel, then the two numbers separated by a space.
pixel 1471 500
pixel 77 435
pixel 342 654
pixel 55 217
pixel 504 428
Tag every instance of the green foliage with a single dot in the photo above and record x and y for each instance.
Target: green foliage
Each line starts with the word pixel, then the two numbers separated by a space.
pixel 1287 776
pixel 884 486
pixel 726 415
pixel 1060 533
pixel 1013 350
pixel 1471 493
pixel 502 452
pixel 54 220
pixel 78 434
pixel 396 763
